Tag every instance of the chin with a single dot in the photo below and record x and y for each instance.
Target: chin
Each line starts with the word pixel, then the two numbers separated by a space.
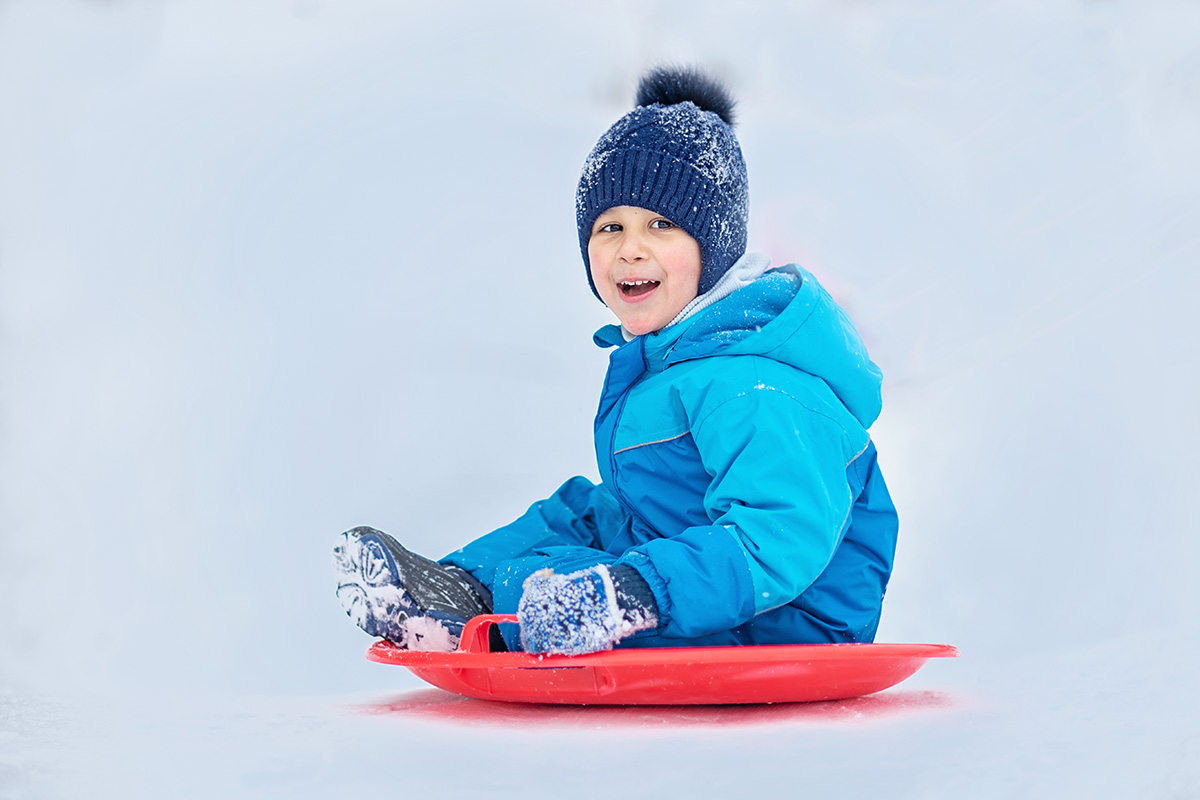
pixel 643 323
pixel 640 330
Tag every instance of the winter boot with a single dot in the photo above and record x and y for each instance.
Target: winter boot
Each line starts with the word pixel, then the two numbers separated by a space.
pixel 415 603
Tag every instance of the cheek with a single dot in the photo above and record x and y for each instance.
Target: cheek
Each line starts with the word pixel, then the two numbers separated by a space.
pixel 685 264
pixel 598 270
pixel 598 261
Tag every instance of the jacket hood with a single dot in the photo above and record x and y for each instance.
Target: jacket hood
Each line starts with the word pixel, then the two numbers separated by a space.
pixel 785 315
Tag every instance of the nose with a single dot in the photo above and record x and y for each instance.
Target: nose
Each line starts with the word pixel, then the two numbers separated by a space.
pixel 633 246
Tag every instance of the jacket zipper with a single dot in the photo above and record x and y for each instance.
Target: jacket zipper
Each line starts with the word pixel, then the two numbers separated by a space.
pixel 612 444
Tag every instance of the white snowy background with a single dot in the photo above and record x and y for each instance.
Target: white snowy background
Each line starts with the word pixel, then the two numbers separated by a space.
pixel 269 270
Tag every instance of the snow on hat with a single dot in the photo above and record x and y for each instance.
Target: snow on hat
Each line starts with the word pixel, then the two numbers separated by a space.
pixel 674 154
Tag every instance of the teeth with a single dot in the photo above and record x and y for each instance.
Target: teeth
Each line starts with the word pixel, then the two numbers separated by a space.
pixel 636 283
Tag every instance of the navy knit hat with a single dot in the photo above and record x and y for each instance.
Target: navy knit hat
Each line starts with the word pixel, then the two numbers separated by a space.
pixel 676 155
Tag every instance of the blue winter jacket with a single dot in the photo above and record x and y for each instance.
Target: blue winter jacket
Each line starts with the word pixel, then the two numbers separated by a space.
pixel 738 477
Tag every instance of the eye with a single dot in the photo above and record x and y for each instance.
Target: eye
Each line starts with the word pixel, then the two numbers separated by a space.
pixel 662 224
pixel 608 227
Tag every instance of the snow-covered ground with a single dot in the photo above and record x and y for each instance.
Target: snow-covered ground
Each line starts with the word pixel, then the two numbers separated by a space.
pixel 271 270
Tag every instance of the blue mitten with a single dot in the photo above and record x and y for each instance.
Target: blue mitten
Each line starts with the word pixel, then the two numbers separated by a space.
pixel 585 611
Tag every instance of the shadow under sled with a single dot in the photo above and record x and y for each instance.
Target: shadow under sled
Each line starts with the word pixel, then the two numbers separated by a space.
pixel 783 673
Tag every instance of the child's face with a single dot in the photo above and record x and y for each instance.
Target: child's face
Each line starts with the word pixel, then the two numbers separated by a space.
pixel 644 267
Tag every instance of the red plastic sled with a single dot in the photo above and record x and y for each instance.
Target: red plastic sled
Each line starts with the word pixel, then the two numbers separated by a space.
pixel 786 673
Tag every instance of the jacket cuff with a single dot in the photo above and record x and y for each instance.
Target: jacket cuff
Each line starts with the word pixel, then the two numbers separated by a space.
pixel 634 574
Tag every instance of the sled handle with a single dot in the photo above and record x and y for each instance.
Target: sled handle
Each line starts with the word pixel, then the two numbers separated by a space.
pixel 475 633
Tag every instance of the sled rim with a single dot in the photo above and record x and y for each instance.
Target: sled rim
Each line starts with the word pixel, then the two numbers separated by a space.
pixel 675 675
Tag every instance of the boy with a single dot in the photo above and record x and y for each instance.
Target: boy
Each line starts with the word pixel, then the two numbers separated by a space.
pixel 741 502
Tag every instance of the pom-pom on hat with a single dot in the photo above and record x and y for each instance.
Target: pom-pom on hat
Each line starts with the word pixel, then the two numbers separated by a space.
pixel 674 154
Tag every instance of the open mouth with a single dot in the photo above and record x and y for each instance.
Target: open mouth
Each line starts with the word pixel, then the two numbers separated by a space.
pixel 637 288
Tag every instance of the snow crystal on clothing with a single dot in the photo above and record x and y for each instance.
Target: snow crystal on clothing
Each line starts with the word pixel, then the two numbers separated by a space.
pixel 366 587
pixel 571 614
pixel 743 272
pixel 712 151
pixel 713 158
pixel 374 598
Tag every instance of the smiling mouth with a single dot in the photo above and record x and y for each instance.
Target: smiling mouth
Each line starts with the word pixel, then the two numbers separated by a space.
pixel 637 288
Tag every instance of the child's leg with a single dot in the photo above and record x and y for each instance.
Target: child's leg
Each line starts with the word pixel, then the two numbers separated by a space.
pixel 420 604
pixel 580 526
pixel 579 516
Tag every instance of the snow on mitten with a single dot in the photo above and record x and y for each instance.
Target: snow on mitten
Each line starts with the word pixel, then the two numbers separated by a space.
pixel 585 611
